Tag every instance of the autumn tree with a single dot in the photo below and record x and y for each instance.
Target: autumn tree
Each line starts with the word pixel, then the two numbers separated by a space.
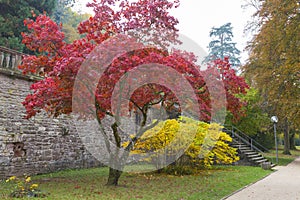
pixel 109 74
pixel 222 46
pixel 274 64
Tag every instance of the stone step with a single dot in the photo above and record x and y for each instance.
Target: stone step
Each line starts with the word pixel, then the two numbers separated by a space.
pixel 261 161
pixel 246 147
pixel 240 145
pixel 246 150
pixel 250 153
pixel 253 155
pixel 243 148
pixel 273 165
pixel 257 158
pixel 266 165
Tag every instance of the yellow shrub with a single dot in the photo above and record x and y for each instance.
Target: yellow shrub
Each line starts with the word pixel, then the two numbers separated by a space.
pixel 207 144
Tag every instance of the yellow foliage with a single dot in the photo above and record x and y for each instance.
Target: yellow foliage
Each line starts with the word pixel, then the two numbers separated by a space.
pixel 34 186
pixel 24 187
pixel 11 178
pixel 28 179
pixel 203 144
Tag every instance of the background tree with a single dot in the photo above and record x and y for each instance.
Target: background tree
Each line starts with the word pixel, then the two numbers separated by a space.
pixel 70 20
pixel 256 122
pixel 222 46
pixel 59 14
pixel 59 63
pixel 233 85
pixel 274 64
pixel 12 15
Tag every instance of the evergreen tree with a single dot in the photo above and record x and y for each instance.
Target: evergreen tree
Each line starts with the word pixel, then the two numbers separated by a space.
pixel 59 14
pixel 12 15
pixel 222 46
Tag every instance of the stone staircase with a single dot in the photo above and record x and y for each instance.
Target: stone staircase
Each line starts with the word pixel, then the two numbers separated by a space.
pixel 250 151
pixel 250 156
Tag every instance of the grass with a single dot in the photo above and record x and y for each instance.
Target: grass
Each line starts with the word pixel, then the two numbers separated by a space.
pixel 283 160
pixel 89 184
pixel 215 183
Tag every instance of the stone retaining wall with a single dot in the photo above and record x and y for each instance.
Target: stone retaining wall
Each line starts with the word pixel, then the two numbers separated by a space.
pixel 38 145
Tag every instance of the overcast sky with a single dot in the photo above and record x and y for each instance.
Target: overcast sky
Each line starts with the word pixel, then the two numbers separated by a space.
pixel 196 18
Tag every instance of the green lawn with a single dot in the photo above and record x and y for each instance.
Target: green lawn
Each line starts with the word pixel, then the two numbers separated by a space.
pixel 210 184
pixel 283 160
pixel 89 184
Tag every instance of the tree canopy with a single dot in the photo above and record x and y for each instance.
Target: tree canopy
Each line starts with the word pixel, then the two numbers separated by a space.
pixel 222 46
pixel 70 21
pixel 273 66
pixel 59 14
pixel 92 74
pixel 12 15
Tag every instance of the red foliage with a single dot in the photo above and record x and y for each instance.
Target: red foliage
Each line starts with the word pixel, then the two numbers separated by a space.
pixel 233 84
pixel 59 62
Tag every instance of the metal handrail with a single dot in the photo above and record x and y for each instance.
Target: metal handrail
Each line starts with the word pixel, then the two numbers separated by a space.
pixel 236 133
pixel 246 139
pixel 253 147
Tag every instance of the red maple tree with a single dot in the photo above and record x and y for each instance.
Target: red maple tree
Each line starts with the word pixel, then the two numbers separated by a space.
pixel 63 64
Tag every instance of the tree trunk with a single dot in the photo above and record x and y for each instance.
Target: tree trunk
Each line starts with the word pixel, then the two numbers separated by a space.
pixel 115 163
pixel 292 141
pixel 113 177
pixel 286 150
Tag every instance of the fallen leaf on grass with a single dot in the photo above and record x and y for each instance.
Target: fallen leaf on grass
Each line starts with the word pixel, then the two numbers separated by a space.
pixel 77 187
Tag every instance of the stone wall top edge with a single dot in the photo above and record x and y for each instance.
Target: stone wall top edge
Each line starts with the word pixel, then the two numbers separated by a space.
pixel 18 74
